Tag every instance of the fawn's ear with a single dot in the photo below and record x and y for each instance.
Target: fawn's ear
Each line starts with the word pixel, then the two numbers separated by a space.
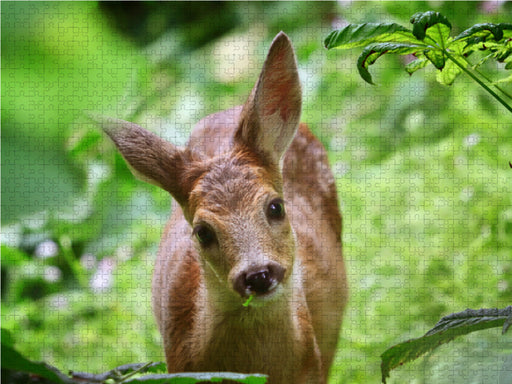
pixel 153 159
pixel 271 115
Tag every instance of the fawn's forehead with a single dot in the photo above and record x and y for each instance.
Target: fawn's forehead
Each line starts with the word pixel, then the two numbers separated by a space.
pixel 232 185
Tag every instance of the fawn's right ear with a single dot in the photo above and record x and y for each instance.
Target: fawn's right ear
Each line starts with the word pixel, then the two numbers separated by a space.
pixel 153 159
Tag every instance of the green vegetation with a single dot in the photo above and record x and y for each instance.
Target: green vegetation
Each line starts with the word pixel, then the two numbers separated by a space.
pixel 429 42
pixel 422 172
pixel 446 330
pixel 26 371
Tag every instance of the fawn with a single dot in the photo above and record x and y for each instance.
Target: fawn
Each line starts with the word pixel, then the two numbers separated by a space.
pixel 255 215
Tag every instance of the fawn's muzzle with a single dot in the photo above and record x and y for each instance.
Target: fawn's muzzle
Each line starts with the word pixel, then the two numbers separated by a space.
pixel 259 280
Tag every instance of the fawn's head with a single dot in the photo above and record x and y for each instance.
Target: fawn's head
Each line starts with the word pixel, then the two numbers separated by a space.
pixel 234 201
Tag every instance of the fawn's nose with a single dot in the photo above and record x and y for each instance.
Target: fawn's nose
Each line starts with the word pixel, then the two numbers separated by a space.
pixel 259 279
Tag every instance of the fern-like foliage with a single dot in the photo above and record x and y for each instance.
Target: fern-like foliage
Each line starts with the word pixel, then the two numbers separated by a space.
pixel 447 329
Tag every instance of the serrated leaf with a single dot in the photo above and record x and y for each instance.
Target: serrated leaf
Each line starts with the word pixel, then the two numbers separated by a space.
pixel 435 28
pixel 481 31
pixel 423 21
pixel 373 51
pixel 436 57
pixel 13 360
pixel 502 53
pixel 492 37
pixel 449 73
pixel 439 33
pixel 413 66
pixel 448 328
pixel 358 35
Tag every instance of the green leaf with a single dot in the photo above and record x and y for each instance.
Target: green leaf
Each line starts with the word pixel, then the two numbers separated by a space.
pixel 449 73
pixel 413 66
pixel 358 35
pixel 503 54
pixel 436 28
pixel 423 21
pixel 484 31
pixel 13 360
pixel 499 52
pixel 485 37
pixel 448 328
pixel 248 301
pixel 439 33
pixel 436 57
pixel 373 51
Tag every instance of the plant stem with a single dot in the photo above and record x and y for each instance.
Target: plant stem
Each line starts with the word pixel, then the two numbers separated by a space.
pixel 489 81
pixel 482 84
pixel 141 369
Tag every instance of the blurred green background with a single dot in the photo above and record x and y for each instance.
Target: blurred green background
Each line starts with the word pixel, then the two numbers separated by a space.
pixel 422 173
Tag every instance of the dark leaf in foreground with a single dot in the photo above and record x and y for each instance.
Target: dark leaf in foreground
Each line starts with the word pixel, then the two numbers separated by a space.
pixel 14 361
pixel 18 366
pixel 448 328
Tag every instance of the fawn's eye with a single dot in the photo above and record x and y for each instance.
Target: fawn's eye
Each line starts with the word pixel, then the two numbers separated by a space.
pixel 275 209
pixel 204 235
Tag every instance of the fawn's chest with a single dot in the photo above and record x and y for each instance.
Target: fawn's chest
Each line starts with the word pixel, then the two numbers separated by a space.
pixel 240 343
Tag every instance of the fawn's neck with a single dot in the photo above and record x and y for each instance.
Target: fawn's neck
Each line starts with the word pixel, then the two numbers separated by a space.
pixel 236 336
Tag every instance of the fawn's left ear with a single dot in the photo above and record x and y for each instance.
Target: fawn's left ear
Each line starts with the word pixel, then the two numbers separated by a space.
pixel 271 115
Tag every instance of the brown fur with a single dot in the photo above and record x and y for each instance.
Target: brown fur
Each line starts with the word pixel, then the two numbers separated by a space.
pixel 236 162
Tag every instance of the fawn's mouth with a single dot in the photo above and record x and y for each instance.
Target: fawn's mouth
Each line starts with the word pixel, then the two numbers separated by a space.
pixel 260 298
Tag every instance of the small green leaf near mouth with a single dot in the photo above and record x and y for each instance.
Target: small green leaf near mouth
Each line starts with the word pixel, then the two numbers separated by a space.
pixel 248 301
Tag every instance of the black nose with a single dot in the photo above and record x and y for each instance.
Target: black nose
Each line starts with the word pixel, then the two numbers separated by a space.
pixel 259 280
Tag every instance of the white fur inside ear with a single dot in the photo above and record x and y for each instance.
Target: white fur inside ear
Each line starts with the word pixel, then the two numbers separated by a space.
pixel 277 136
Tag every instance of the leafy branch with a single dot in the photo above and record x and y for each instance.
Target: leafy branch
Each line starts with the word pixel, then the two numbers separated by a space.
pixel 18 366
pixel 447 329
pixel 430 42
